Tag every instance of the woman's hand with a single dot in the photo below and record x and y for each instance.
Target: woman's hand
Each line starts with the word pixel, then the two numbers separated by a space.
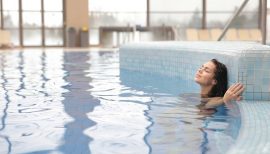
pixel 233 93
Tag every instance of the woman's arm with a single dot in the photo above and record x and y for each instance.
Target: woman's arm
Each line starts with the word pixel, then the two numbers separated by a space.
pixel 213 102
pixel 233 93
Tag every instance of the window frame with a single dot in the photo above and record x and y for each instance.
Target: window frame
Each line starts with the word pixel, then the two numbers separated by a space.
pixel 42 26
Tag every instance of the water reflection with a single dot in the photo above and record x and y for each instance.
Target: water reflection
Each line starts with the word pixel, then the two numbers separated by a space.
pixel 6 101
pixel 177 124
pixel 77 103
pixel 31 93
pixel 121 117
pixel 48 104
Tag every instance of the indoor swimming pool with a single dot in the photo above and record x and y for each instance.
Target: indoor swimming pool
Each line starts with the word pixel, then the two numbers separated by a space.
pixel 56 101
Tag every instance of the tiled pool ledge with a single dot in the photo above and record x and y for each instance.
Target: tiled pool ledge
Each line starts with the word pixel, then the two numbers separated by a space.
pixel 254 134
pixel 247 62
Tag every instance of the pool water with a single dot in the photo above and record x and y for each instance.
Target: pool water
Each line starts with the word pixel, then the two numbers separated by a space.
pixel 81 102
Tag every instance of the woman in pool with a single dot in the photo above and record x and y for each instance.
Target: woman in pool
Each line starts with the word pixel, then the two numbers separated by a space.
pixel 212 77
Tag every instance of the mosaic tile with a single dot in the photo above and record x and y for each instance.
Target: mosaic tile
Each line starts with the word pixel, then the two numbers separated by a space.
pixel 254 136
pixel 248 63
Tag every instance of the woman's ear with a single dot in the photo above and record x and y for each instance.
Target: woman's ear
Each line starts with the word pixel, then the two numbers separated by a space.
pixel 214 82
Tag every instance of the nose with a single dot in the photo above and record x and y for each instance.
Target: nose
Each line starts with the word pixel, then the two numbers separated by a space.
pixel 200 70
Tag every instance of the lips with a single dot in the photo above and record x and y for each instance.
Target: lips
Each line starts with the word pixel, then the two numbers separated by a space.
pixel 197 75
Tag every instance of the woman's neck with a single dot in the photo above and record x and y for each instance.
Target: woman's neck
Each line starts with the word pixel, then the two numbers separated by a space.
pixel 205 90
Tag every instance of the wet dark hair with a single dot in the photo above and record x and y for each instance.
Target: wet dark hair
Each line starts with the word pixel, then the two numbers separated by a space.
pixel 220 75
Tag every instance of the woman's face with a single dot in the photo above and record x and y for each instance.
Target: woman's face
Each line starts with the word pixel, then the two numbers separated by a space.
pixel 205 75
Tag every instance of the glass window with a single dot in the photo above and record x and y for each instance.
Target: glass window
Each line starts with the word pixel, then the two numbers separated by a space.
pixel 53 22
pixel 94 36
pixel 110 13
pixel 175 12
pixel 268 22
pixel 54 37
pixel 31 19
pixel 10 5
pixel 230 5
pixel 53 5
pixel 191 19
pixel 11 19
pixel 14 36
pixel 175 5
pixel 219 16
pixel 53 19
pixel 221 5
pixel 31 5
pixel 32 37
pixel 0 14
pixel 114 5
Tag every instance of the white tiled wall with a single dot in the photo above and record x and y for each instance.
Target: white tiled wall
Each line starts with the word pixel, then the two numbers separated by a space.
pixel 248 63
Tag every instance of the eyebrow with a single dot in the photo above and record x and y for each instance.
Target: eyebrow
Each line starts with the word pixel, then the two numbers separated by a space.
pixel 206 68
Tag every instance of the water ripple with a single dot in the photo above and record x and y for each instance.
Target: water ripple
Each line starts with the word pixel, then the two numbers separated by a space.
pixel 81 102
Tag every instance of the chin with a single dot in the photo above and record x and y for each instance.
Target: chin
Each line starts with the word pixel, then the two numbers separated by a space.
pixel 196 80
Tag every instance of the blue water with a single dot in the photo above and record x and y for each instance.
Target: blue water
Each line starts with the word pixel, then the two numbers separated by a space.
pixel 81 102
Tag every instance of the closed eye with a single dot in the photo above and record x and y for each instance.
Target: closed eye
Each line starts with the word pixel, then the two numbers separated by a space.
pixel 206 69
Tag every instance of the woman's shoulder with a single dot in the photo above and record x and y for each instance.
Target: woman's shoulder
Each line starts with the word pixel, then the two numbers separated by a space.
pixel 191 97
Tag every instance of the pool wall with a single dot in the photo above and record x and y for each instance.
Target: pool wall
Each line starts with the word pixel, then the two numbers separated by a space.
pixel 247 62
